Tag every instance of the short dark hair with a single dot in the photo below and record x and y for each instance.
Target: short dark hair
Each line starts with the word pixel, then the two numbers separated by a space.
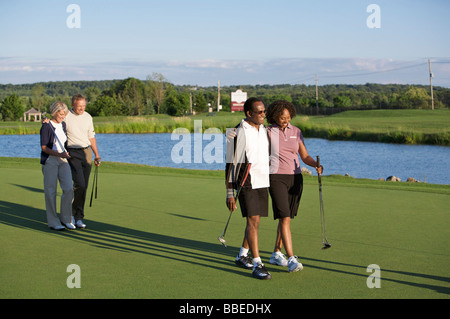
pixel 276 109
pixel 77 97
pixel 248 105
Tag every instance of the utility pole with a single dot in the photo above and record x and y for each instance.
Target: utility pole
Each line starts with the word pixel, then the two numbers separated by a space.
pixel 317 98
pixel 431 84
pixel 218 95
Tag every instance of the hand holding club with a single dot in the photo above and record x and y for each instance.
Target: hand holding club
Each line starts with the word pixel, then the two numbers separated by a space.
pixel 97 161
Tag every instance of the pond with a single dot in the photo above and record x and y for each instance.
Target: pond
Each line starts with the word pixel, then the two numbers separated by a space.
pixel 427 163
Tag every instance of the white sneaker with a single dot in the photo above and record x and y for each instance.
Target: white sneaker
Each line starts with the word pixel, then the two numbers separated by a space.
pixel 79 224
pixel 278 259
pixel 294 265
pixel 59 227
pixel 70 226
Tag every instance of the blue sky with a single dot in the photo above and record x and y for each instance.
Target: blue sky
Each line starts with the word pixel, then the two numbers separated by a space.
pixel 200 42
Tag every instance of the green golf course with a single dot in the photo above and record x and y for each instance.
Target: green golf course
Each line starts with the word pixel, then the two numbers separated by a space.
pixel 152 233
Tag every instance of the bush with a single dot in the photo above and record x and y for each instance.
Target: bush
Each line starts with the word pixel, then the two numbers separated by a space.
pixel 12 108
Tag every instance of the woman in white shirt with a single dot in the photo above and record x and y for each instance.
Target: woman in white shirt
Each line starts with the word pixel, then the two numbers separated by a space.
pixel 55 166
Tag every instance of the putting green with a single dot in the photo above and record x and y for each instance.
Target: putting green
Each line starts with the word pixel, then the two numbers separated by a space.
pixel 152 233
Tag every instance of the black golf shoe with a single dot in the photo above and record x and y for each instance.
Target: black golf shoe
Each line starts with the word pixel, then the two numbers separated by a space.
pixel 260 272
pixel 244 262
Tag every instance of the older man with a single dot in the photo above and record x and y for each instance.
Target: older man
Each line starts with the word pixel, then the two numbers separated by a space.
pixel 80 139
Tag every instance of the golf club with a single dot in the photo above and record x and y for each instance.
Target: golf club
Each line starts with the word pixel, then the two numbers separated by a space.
pixel 322 215
pixel 94 184
pixel 74 171
pixel 221 238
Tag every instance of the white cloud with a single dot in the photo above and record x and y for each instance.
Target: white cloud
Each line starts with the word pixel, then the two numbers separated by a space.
pixel 206 72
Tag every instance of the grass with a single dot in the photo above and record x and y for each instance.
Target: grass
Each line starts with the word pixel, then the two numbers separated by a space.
pixel 389 126
pixel 152 233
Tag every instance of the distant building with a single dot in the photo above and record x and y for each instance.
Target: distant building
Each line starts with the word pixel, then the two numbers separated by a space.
pixel 32 112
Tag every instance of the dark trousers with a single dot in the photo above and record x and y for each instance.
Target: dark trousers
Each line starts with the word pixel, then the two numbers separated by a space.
pixel 82 161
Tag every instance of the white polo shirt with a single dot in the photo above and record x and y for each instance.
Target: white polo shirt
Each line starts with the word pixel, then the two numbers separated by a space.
pixel 257 150
pixel 80 129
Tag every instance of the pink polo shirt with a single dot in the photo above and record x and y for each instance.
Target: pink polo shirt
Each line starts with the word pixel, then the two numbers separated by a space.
pixel 284 157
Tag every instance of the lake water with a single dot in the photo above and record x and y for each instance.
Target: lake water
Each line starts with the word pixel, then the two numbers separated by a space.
pixel 196 151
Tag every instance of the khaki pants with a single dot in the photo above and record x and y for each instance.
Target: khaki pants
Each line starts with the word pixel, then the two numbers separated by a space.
pixel 55 169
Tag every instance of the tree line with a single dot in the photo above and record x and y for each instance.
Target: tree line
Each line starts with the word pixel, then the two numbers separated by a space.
pixel 156 95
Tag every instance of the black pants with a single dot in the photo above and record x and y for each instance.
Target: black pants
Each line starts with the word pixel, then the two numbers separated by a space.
pixel 286 192
pixel 82 161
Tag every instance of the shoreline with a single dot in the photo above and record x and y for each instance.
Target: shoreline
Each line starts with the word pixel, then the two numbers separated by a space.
pixel 143 169
pixel 397 137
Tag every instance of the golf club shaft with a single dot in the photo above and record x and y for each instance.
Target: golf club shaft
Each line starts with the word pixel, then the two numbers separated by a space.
pixel 96 180
pixel 226 226
pixel 236 197
pixel 94 185
pixel 322 213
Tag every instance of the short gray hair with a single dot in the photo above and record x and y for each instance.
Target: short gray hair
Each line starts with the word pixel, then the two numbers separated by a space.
pixel 58 106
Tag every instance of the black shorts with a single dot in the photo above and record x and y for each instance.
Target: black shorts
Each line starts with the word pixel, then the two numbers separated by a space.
pixel 254 202
pixel 285 191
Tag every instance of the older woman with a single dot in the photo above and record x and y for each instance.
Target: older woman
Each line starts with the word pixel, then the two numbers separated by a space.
pixel 55 167
pixel 286 181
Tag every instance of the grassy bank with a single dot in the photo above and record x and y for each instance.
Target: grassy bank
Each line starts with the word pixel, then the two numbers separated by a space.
pixel 388 126
pixel 152 233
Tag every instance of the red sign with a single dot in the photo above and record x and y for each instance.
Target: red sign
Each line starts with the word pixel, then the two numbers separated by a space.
pixel 238 99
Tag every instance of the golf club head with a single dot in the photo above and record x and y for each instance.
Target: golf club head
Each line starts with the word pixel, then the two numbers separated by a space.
pixel 326 246
pixel 222 240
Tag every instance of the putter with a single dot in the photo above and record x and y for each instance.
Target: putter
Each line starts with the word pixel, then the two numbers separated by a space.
pixel 221 238
pixel 74 171
pixel 325 242
pixel 94 184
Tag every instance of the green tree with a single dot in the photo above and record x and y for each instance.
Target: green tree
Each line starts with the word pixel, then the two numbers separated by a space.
pixel 104 106
pixel 200 103
pixel 321 102
pixel 342 101
pixel 92 93
pixel 415 98
pixel 157 87
pixel 38 96
pixel 381 101
pixel 129 95
pixel 176 104
pixel 270 98
pixel 12 108
pixel 133 96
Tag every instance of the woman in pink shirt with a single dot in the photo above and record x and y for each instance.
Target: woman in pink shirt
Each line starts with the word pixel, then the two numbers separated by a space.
pixel 286 181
